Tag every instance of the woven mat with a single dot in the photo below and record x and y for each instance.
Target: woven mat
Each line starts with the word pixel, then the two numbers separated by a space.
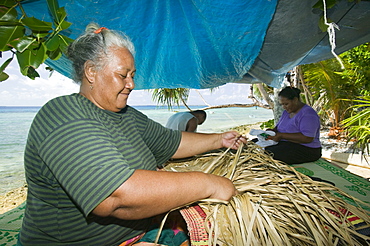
pixel 10 224
pixel 352 184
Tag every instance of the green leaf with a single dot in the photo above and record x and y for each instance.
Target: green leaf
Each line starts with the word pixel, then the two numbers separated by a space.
pixel 329 4
pixel 62 14
pixel 32 73
pixel 34 57
pixel 23 70
pixel 323 27
pixel 6 48
pixel 65 25
pixel 24 60
pixel 53 43
pixel 37 25
pixel 5 64
pixel 3 76
pixel 318 5
pixel 8 3
pixel 53 7
pixel 9 34
pixel 64 41
pixel 10 23
pixel 8 14
pixel 41 35
pixel 21 44
pixel 49 69
pixel 39 56
pixel 54 54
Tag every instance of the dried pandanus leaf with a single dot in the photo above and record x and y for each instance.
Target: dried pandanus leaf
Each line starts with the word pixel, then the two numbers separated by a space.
pixel 276 206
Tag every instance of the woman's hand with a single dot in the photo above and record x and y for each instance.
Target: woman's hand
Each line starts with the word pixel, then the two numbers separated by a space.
pixel 232 139
pixel 196 143
pixel 223 188
pixel 276 138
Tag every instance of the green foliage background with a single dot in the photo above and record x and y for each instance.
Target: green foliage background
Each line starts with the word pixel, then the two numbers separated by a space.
pixel 342 96
pixel 31 40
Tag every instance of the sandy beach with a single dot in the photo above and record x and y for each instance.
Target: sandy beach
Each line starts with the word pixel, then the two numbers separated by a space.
pixel 12 199
pixel 15 197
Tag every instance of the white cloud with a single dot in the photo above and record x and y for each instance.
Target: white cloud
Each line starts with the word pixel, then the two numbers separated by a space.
pixel 140 97
pixel 226 94
pixel 22 91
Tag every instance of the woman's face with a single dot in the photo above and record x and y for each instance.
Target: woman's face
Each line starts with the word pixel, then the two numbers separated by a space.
pixel 290 106
pixel 114 81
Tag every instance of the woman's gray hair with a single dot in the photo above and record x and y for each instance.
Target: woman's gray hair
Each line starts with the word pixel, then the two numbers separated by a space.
pixel 94 45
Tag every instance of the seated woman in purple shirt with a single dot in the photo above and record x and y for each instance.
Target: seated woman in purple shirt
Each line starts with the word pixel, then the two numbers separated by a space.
pixel 297 132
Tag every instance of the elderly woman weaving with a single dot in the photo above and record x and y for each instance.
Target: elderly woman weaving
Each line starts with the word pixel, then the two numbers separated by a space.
pixel 91 159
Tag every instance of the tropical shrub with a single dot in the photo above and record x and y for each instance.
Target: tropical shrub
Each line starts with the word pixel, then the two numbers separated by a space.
pixel 358 125
pixel 270 124
pixel 334 89
pixel 328 88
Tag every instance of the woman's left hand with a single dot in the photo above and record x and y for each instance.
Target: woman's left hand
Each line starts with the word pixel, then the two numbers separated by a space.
pixel 232 139
pixel 275 138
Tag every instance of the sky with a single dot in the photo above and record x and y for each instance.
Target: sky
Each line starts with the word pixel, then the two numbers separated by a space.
pixel 19 90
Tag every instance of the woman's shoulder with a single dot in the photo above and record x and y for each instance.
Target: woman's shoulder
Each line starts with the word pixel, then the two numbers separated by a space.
pixel 134 111
pixel 308 109
pixel 61 109
pixel 61 103
pixel 139 116
pixel 307 113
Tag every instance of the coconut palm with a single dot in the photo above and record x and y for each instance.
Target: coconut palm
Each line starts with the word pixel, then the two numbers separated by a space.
pixel 264 92
pixel 358 125
pixel 171 97
pixel 334 89
pixel 329 89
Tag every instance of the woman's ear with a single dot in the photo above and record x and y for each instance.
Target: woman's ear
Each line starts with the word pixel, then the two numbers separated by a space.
pixel 90 71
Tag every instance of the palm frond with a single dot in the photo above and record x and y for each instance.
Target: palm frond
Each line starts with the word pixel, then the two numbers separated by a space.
pixel 170 97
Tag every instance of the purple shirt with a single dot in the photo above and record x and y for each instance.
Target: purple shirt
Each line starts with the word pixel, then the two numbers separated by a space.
pixel 306 121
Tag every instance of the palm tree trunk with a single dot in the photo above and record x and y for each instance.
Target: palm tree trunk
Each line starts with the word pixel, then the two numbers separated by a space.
pixel 264 95
pixel 184 102
pixel 209 105
pixel 278 109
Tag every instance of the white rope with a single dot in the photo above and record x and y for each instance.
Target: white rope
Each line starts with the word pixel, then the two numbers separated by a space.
pixel 331 32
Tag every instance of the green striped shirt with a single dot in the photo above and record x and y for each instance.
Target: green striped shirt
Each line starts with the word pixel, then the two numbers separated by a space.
pixel 76 155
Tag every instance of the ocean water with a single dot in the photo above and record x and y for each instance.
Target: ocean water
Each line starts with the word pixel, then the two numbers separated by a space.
pixel 15 123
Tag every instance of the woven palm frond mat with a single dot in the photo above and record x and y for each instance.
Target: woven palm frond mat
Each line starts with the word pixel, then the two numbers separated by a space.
pixel 350 183
pixel 277 204
pixel 10 224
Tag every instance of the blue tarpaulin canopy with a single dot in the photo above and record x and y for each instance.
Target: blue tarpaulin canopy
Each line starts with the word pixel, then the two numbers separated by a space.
pixel 207 43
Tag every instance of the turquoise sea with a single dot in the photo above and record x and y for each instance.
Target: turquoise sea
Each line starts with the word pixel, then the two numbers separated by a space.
pixel 15 123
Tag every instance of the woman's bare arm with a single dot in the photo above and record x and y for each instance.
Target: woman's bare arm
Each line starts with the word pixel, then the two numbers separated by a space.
pixel 148 193
pixel 192 125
